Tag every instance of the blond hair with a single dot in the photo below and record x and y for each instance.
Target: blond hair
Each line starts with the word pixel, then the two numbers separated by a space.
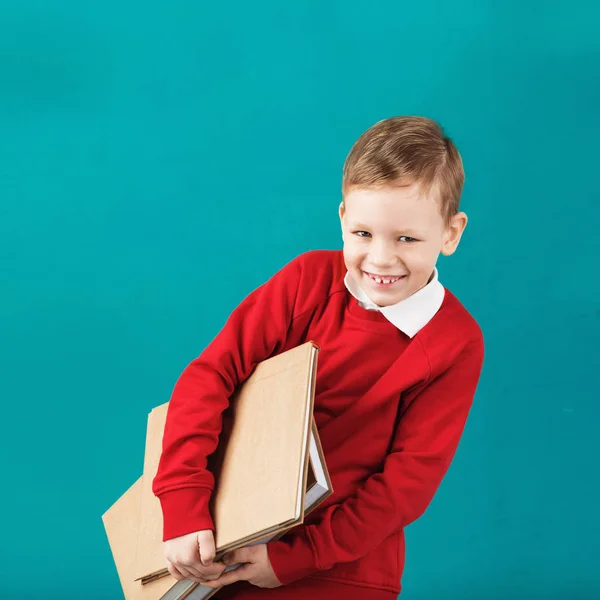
pixel 400 151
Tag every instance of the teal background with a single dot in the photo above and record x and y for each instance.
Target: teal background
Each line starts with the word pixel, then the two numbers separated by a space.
pixel 158 161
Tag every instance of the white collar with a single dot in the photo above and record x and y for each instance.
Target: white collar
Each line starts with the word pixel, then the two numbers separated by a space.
pixel 409 315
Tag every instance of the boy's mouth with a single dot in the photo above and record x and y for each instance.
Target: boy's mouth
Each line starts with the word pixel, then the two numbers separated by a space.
pixel 384 280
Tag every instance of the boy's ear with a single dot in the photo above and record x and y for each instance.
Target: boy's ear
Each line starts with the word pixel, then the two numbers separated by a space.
pixel 342 212
pixel 453 233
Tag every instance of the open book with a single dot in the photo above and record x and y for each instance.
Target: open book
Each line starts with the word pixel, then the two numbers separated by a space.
pixel 269 473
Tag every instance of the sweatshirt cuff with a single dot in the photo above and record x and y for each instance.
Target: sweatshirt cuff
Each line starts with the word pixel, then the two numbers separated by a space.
pixel 185 510
pixel 293 558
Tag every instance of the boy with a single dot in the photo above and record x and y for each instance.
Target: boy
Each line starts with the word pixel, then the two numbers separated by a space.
pixel 399 364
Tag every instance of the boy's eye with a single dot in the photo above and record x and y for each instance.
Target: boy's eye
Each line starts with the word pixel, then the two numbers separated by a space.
pixel 402 238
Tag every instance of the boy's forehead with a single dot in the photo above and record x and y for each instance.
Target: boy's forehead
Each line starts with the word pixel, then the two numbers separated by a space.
pixel 413 192
pixel 392 208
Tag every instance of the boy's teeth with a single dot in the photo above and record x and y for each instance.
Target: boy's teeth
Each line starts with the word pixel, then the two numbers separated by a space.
pixel 382 280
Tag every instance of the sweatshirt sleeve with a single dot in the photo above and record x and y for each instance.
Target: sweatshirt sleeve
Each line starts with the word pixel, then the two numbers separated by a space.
pixel 255 330
pixel 424 444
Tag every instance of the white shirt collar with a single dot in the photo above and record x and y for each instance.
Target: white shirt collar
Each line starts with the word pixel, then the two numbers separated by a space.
pixel 409 315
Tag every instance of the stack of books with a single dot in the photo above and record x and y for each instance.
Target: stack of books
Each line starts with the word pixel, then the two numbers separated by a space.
pixel 269 471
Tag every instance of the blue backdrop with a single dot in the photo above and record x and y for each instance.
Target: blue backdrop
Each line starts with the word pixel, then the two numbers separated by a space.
pixel 158 161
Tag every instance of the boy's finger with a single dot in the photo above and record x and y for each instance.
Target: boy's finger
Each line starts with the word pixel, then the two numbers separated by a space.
pixel 243 573
pixel 206 546
pixel 174 571
pixel 196 565
pixel 185 572
pixel 195 572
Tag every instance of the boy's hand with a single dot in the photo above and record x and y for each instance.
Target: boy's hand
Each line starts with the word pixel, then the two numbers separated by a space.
pixel 191 557
pixel 256 568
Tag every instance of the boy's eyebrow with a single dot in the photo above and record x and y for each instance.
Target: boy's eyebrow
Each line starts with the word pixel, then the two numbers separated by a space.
pixel 409 232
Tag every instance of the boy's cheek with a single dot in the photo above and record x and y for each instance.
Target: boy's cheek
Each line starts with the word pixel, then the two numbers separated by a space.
pixel 353 256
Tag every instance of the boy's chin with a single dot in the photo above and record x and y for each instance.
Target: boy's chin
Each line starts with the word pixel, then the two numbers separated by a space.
pixel 387 300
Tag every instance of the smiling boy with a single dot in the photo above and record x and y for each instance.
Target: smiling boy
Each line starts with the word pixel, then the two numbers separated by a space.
pixel 399 365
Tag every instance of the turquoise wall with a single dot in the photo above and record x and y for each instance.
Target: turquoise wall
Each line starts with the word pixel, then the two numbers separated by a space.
pixel 158 161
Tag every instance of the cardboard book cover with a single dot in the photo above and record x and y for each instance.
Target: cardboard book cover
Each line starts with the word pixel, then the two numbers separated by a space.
pixel 260 466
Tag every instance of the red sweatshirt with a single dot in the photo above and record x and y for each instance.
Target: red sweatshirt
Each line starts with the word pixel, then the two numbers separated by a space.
pixel 390 410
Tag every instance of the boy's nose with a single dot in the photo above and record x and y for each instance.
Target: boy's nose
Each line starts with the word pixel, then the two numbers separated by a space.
pixel 382 258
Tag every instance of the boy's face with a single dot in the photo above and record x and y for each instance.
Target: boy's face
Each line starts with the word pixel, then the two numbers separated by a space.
pixel 393 237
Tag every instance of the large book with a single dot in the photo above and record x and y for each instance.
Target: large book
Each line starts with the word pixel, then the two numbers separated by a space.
pixel 269 473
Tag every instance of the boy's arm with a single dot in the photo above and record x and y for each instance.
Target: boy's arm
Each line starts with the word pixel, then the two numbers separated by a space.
pixel 255 330
pixel 424 445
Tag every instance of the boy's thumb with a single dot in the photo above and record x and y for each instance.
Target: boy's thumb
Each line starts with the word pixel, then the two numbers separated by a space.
pixel 206 547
